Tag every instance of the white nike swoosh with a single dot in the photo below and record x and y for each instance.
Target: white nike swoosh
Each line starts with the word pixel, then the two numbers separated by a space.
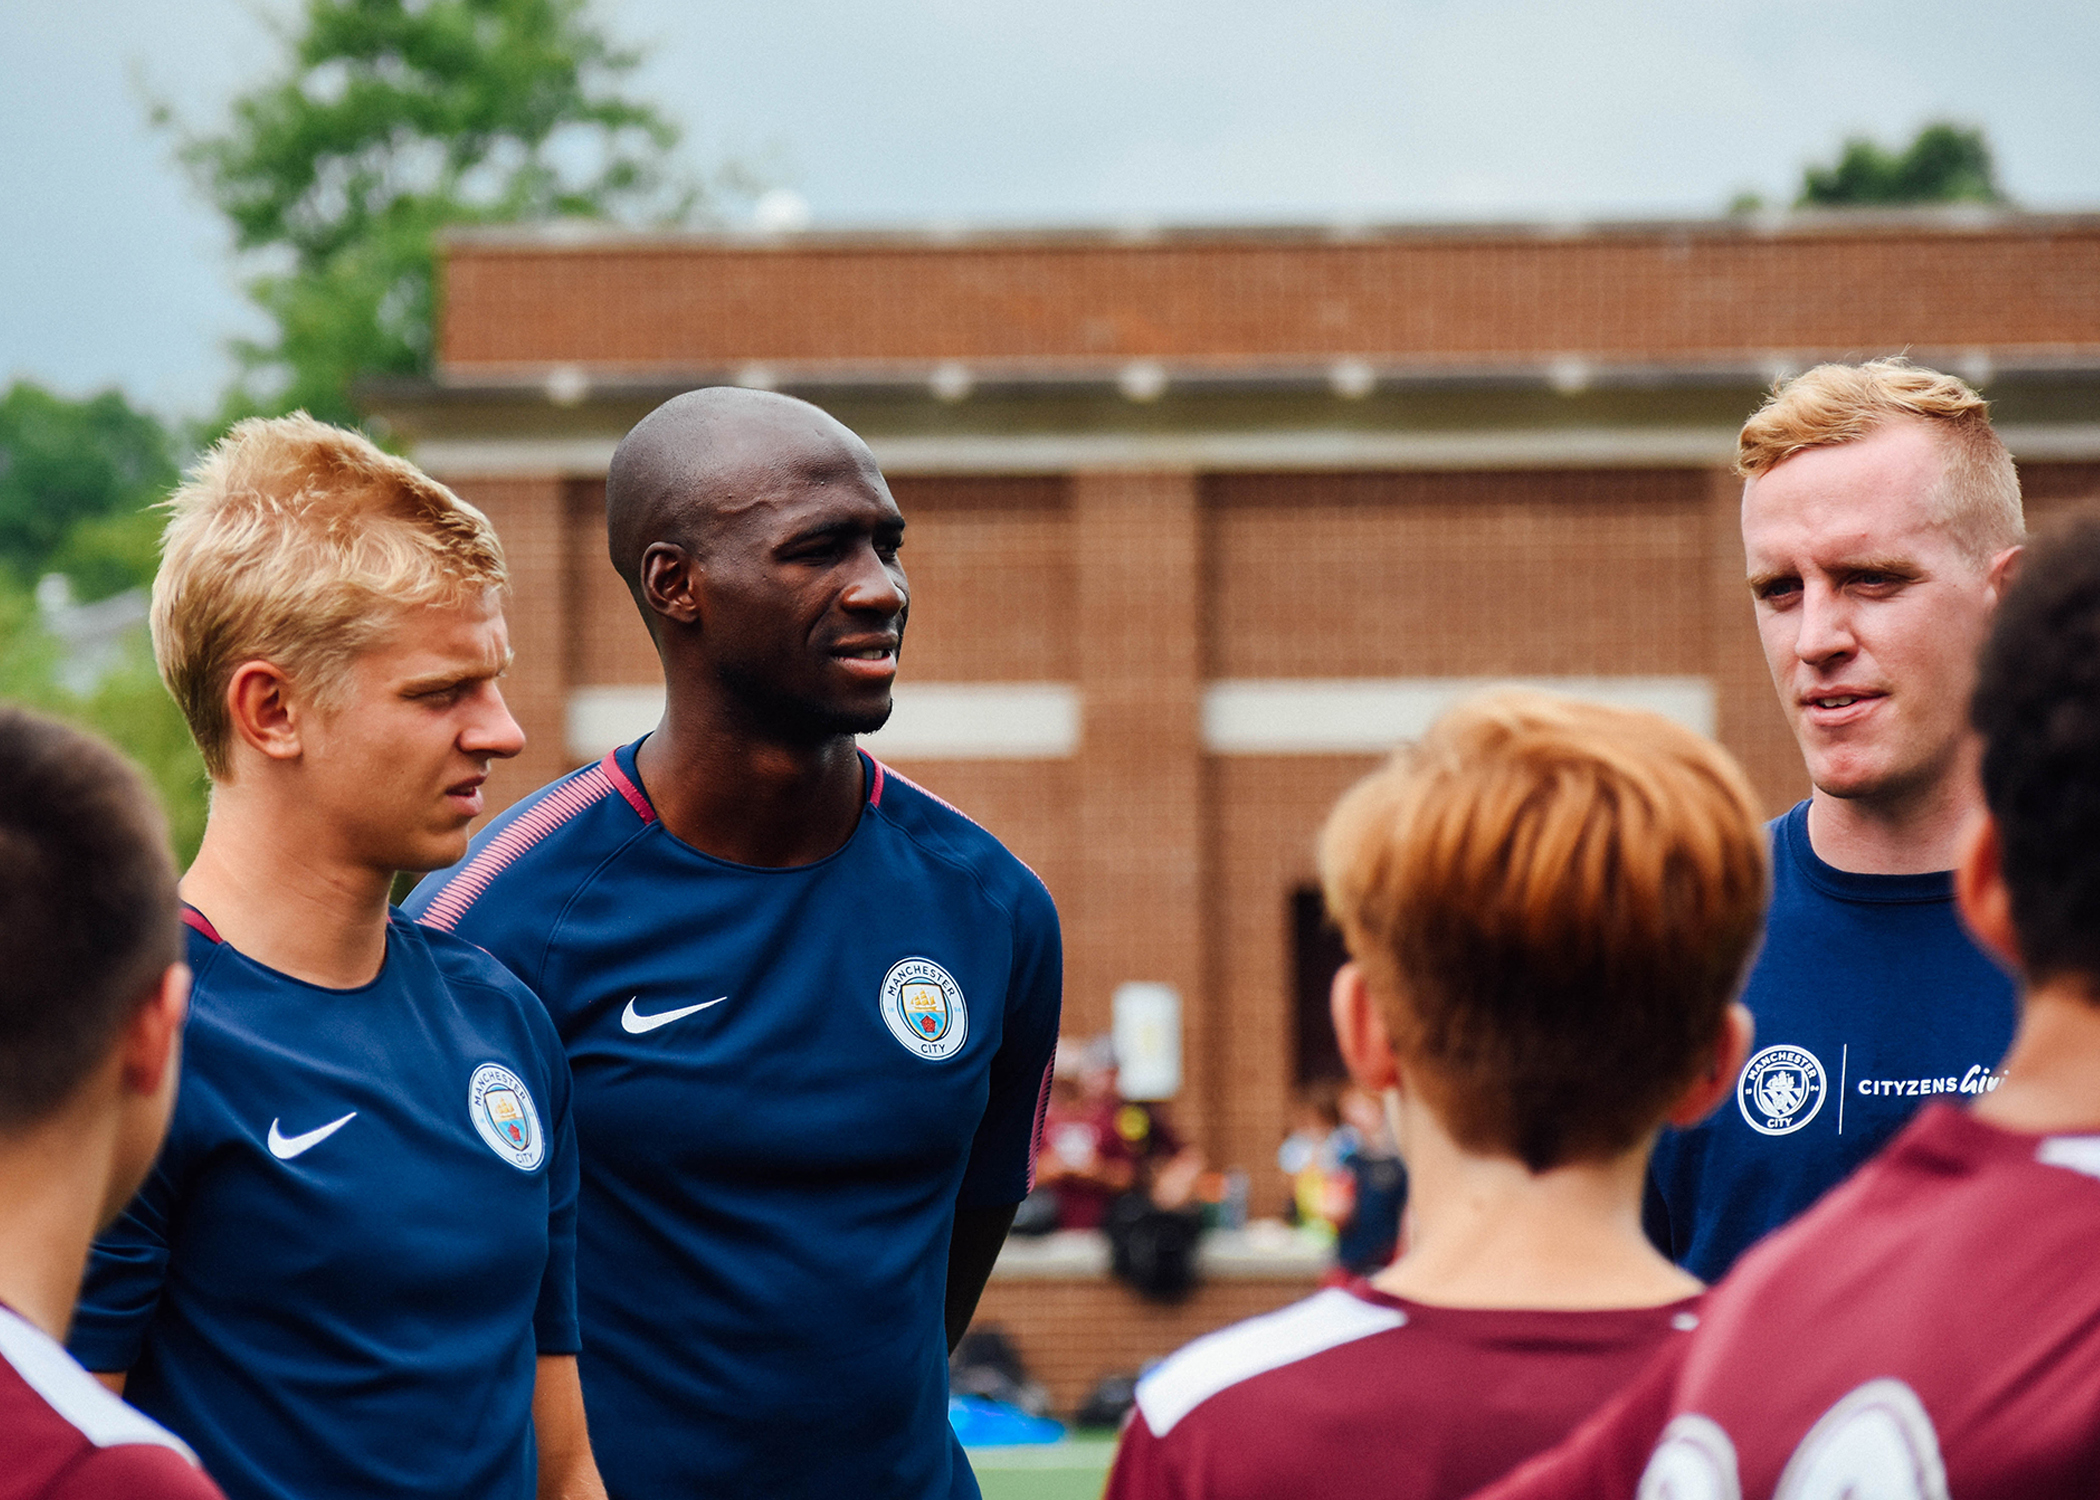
pixel 285 1147
pixel 634 1021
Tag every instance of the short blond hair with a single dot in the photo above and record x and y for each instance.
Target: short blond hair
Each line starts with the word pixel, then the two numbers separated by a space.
pixel 299 543
pixel 1979 491
pixel 1553 902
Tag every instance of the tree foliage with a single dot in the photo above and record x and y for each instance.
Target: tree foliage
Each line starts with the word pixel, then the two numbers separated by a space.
pixel 1946 163
pixel 78 482
pixel 75 480
pixel 390 120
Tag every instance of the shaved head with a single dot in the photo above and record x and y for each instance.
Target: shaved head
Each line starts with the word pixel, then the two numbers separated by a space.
pixel 710 454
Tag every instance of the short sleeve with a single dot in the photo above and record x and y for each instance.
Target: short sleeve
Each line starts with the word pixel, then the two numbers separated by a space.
pixel 1002 1157
pixel 1604 1457
pixel 1142 1470
pixel 554 1321
pixel 125 1272
pixel 133 1471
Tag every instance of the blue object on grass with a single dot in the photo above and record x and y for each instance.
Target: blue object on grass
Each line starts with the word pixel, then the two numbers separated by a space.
pixel 981 1422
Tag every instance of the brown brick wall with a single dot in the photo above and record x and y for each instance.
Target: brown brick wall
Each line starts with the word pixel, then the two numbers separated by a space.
pixel 1458 575
pixel 1071 1332
pixel 993 577
pixel 1691 291
pixel 608 642
pixel 1137 909
pixel 532 518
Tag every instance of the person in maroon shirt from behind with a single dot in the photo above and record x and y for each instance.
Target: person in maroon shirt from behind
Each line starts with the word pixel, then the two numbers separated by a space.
pixel 1549 906
pixel 1931 1328
pixel 91 1012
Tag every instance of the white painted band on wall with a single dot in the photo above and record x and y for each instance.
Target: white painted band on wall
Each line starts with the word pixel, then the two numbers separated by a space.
pixel 1354 716
pixel 1234 452
pixel 930 721
pixel 1041 720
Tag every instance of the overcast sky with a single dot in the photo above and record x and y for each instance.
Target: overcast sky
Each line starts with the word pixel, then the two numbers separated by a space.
pixel 1109 111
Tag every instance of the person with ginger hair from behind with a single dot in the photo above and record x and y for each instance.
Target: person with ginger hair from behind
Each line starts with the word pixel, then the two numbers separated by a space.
pixel 1548 905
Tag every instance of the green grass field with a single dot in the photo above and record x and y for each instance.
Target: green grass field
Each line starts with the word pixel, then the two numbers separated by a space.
pixel 1072 1470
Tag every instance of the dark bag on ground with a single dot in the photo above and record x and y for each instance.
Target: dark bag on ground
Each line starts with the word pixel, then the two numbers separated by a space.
pixel 1153 1249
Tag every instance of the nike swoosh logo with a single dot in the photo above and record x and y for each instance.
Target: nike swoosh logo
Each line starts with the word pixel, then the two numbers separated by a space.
pixel 285 1147
pixel 634 1021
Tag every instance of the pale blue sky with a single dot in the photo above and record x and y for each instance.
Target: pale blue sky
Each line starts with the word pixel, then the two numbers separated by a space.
pixel 1107 111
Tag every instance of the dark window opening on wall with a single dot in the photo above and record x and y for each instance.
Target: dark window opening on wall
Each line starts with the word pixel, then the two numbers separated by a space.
pixel 1316 952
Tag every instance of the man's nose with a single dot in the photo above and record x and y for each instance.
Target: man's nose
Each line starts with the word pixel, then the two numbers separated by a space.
pixel 493 732
pixel 876 587
pixel 1826 625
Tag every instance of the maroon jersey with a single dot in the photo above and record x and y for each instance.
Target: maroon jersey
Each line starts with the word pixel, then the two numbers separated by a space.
pixel 1353 1393
pixel 64 1437
pixel 1931 1328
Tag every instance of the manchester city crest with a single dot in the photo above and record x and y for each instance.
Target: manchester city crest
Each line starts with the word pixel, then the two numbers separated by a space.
pixel 504 1116
pixel 1780 1090
pixel 923 1007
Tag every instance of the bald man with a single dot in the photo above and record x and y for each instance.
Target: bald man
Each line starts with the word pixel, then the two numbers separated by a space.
pixel 810 1008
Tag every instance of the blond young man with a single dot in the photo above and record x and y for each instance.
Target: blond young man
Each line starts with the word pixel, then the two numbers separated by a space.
pixel 1548 906
pixel 90 1029
pixel 1880 516
pixel 351 1272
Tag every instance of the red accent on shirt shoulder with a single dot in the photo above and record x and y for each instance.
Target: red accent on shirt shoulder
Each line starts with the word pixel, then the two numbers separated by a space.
pixel 557 807
pixel 196 921
pixel 625 786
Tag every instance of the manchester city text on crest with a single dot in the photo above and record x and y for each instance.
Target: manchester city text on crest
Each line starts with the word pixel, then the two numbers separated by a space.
pixel 923 1007
pixel 1780 1090
pixel 504 1116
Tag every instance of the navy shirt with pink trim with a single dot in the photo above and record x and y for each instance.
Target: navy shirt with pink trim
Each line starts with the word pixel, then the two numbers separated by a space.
pixel 786 1081
pixel 360 1235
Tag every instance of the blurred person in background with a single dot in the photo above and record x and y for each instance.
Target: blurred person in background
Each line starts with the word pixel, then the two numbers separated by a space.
pixel 1932 1327
pixel 1548 907
pixel 351 1272
pixel 1368 1236
pixel 1098 1145
pixel 90 1036
pixel 1880 514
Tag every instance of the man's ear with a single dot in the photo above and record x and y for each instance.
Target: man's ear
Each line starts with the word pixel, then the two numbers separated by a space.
pixel 1980 892
pixel 262 710
pixel 1723 1068
pixel 670 582
pixel 2005 567
pixel 1359 1025
pixel 149 1047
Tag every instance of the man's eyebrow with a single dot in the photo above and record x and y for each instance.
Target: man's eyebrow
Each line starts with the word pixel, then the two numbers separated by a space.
pixel 829 530
pixel 1900 566
pixel 431 682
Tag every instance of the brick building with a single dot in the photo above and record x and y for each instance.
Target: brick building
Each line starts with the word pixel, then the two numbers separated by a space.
pixel 1200 522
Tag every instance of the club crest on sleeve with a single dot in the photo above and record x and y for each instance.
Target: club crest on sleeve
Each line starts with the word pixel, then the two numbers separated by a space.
pixel 1780 1090
pixel 923 1007
pixel 505 1116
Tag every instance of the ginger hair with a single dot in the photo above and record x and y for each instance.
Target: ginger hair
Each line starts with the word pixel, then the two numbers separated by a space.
pixel 1979 490
pixel 1553 903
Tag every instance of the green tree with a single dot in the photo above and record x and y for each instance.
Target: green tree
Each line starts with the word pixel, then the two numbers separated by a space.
pixel 75 480
pixel 1947 163
pixel 390 120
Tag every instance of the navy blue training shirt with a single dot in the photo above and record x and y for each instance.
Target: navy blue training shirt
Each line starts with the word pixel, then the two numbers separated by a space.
pixel 359 1236
pixel 786 1080
pixel 1870 999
